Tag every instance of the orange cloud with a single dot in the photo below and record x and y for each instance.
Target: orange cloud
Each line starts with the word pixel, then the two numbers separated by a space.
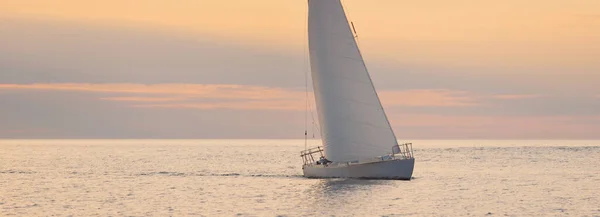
pixel 243 105
pixel 244 97
pixel 216 91
pixel 428 98
pixel 144 99
pixel 184 95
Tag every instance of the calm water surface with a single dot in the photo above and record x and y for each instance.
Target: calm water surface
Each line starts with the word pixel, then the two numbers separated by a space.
pixel 263 178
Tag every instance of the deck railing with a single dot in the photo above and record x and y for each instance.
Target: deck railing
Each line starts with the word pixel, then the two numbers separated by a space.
pixel 400 151
pixel 307 155
pixel 403 150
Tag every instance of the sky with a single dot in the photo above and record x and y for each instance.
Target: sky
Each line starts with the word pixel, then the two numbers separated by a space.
pixel 464 69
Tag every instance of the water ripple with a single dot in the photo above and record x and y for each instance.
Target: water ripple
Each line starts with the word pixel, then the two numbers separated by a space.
pixel 16 172
pixel 164 173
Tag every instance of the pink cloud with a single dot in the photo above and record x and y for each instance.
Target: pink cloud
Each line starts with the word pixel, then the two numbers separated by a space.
pixel 474 121
pixel 515 96
pixel 496 126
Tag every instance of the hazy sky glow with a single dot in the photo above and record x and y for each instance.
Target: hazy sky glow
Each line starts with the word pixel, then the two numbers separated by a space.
pixel 210 69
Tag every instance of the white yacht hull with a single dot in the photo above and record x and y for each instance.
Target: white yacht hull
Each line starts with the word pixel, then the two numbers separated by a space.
pixel 401 169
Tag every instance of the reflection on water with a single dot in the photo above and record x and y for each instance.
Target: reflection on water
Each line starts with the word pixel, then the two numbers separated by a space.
pixel 331 194
pixel 335 187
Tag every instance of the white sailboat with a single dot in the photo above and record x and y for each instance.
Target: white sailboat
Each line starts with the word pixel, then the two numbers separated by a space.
pixel 358 141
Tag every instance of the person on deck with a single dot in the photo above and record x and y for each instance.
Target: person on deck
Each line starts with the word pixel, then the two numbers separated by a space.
pixel 324 160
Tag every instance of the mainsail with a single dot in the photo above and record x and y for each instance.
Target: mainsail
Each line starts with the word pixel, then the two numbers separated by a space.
pixel 353 123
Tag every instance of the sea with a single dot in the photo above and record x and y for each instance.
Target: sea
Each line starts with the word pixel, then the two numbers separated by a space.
pixel 264 178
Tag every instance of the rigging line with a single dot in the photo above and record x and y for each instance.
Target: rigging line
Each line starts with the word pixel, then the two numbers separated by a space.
pixel 304 69
pixel 313 120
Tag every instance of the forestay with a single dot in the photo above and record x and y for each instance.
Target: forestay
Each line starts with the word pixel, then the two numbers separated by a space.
pixel 353 122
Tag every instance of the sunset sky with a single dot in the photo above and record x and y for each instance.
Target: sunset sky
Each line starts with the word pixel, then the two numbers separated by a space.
pixel 463 69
